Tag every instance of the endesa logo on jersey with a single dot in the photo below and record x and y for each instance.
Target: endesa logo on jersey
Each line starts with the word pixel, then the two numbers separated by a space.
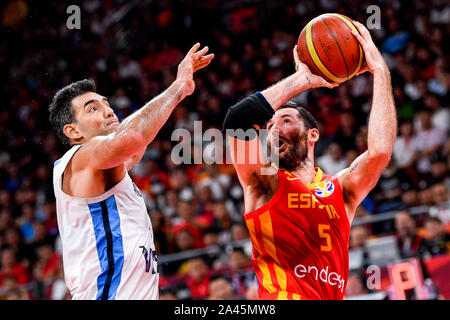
pixel 331 278
pixel 324 188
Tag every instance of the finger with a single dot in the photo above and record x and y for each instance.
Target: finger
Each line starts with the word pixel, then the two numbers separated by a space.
pixel 325 83
pixel 362 70
pixel 201 65
pixel 330 85
pixel 193 49
pixel 202 52
pixel 203 62
pixel 359 38
pixel 209 57
pixel 362 30
pixel 295 53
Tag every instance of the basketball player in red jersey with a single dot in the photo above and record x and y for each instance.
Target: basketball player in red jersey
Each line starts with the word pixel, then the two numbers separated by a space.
pixel 299 217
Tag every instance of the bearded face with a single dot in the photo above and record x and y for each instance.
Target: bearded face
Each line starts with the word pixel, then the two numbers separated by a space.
pixel 295 153
pixel 288 139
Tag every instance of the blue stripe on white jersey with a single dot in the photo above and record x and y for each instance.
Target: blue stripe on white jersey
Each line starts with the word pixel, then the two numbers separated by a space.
pixel 106 222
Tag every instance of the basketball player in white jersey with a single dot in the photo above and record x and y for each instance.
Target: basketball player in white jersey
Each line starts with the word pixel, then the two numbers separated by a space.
pixel 107 236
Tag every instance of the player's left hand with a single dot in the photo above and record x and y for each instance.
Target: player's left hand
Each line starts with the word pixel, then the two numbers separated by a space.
pixel 312 80
pixel 373 58
pixel 193 61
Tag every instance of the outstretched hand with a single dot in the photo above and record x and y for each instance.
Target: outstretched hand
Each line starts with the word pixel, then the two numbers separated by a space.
pixel 312 80
pixel 193 61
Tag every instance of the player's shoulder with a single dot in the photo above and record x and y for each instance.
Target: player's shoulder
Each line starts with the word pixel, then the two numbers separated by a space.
pixel 82 159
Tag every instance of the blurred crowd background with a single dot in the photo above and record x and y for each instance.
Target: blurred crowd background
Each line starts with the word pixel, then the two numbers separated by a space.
pixel 132 48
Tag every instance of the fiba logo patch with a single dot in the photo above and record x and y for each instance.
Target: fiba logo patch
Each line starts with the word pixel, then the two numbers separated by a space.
pixel 324 188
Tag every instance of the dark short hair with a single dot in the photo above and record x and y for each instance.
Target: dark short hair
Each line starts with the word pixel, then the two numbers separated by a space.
pixel 308 119
pixel 433 219
pixel 60 109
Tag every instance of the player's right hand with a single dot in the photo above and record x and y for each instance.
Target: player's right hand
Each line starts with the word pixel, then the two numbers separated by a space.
pixel 306 76
pixel 192 62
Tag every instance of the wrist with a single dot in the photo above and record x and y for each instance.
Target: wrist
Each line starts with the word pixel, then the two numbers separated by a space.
pixel 183 87
pixel 381 71
pixel 302 81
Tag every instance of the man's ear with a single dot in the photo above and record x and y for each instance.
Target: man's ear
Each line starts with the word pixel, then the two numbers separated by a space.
pixel 72 132
pixel 313 135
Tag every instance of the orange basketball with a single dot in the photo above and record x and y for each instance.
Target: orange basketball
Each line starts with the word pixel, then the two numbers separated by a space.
pixel 326 45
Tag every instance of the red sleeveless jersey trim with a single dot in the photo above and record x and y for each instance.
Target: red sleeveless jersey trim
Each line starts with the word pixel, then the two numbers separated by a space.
pixel 300 240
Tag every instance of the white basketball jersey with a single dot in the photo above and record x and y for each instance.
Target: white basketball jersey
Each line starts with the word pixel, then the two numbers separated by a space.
pixel 107 241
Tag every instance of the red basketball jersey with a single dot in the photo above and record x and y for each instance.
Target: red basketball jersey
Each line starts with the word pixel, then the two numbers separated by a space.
pixel 300 240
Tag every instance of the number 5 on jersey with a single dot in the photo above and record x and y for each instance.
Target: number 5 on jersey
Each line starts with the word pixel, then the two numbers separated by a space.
pixel 324 230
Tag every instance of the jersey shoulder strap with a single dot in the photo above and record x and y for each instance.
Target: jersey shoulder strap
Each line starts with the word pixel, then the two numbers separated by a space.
pixel 60 165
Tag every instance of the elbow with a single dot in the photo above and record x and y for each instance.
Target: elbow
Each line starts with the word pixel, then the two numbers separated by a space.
pixel 129 143
pixel 381 157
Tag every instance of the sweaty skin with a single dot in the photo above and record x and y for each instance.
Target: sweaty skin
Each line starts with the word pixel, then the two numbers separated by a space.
pixel 356 180
pixel 109 147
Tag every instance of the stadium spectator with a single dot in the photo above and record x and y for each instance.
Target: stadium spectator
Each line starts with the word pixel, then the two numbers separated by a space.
pixel 167 294
pixel 358 237
pixel 333 161
pixel 159 232
pixel 241 275
pixel 239 232
pixel 14 241
pixel 440 116
pixel 188 220
pixel 198 278
pixel 388 190
pixel 218 182
pixel 345 135
pixel 407 238
pixel 355 285
pixel 427 141
pixel 410 196
pixel 403 152
pixel 436 240
pixel 48 262
pixel 58 289
pixel 439 193
pixel 439 170
pixel 12 291
pixel 223 221
pixel 184 239
pixel 10 267
pixel 220 288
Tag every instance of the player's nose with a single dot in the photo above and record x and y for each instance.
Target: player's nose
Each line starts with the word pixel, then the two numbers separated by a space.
pixel 109 112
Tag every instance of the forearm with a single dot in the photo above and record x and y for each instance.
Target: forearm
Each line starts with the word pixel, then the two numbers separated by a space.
pixel 147 121
pixel 383 118
pixel 286 89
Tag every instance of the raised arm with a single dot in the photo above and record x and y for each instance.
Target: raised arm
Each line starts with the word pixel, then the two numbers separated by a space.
pixel 132 136
pixel 302 80
pixel 364 172
pixel 254 111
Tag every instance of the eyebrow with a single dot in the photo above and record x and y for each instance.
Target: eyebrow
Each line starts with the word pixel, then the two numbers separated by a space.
pixel 93 100
pixel 283 116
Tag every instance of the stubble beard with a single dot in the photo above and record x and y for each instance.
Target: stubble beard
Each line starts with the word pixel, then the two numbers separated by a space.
pixel 296 153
